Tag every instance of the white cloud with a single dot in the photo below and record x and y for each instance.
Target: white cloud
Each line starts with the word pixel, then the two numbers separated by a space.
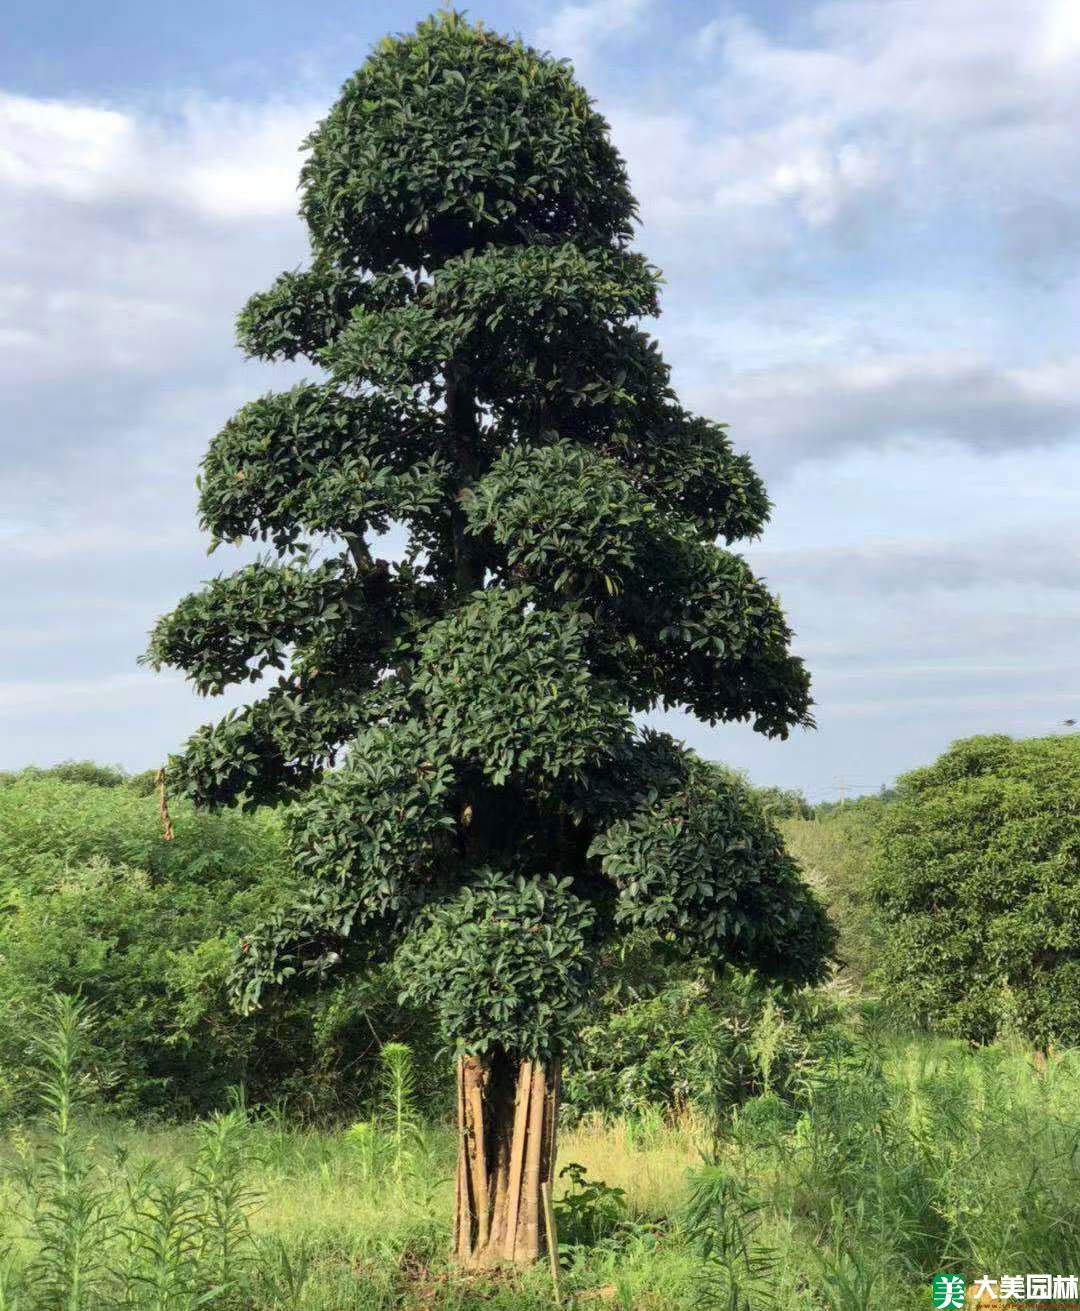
pixel 67 149
pixel 110 540
pixel 129 243
pixel 798 411
pixel 238 162
pixel 220 160
pixel 886 111
pixel 20 699
pixel 1061 32
pixel 916 566
pixel 577 32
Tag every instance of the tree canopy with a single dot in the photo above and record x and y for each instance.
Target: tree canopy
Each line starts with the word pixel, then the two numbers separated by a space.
pixel 977 881
pixel 473 798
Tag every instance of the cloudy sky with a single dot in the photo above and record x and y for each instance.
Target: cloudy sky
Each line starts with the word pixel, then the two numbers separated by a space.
pixel 868 215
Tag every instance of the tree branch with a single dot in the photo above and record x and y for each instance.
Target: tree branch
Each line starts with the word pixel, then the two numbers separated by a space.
pixel 359 550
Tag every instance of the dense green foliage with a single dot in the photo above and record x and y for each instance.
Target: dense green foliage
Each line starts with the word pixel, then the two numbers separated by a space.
pixel 702 866
pixel 977 880
pixel 93 901
pixel 96 903
pixel 505 956
pixel 785 803
pixel 457 728
pixel 663 1042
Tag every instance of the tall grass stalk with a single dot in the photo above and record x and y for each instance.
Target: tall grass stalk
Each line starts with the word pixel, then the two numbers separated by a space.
pixel 723 1217
pixel 69 1209
pixel 162 1271
pixel 221 1191
pixel 398 1112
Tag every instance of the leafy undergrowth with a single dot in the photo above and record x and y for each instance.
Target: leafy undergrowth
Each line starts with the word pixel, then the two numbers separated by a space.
pixel 894 1161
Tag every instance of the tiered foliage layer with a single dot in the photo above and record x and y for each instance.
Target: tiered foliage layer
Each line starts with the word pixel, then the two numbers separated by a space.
pixel 474 801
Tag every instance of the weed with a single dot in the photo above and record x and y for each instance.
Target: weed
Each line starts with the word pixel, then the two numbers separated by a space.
pixel 588 1211
pixel 723 1218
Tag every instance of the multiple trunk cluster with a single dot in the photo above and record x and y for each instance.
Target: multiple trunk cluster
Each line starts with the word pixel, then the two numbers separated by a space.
pixel 507 1113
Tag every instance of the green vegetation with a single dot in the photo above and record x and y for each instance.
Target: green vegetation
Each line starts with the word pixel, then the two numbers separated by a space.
pixel 472 804
pixel 93 901
pixel 727 1143
pixel 882 1163
pixel 977 880
pixel 834 849
pixel 96 903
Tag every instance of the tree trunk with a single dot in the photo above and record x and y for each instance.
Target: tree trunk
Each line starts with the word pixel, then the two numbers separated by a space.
pixel 506 1124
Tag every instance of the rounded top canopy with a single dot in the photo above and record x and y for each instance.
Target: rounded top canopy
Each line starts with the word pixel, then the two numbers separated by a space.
pixel 452 138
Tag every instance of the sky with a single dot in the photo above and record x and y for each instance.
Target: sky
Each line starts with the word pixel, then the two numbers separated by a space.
pixel 867 213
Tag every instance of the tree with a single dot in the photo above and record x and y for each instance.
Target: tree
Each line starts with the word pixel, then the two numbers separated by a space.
pixel 976 879
pixel 785 803
pixel 472 799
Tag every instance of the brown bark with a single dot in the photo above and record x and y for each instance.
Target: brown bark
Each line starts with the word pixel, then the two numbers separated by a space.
pixel 516 1159
pixel 506 1122
pixel 527 1240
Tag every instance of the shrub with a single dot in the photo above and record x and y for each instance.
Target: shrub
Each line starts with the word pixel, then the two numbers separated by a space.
pixel 977 879
pixel 666 1038
pixel 784 803
pixel 98 904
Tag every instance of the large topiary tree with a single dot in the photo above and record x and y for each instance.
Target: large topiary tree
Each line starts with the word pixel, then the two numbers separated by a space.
pixel 472 799
pixel 976 880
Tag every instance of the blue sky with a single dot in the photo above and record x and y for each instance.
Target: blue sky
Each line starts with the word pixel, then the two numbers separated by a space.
pixel 868 218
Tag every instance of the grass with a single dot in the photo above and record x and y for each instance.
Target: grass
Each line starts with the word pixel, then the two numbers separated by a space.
pixel 898 1158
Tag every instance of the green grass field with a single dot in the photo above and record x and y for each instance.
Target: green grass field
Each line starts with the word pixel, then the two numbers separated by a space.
pixel 894 1161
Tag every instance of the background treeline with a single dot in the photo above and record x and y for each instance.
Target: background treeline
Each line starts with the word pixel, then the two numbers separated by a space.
pixel 94 902
pixel 957 896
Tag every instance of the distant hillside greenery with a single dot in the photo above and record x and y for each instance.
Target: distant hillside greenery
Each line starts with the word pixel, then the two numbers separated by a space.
pixel 834 849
